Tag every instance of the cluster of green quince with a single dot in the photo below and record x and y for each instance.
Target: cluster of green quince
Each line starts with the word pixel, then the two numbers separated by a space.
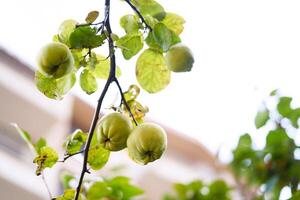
pixel 145 142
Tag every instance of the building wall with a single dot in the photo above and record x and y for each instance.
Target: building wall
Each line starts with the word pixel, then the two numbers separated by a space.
pixel 185 159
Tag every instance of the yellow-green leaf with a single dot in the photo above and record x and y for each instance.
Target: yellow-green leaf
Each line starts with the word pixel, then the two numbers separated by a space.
pixel 102 68
pixel 174 22
pixel 130 44
pixel 98 157
pixel 88 82
pixel 152 72
pixel 46 159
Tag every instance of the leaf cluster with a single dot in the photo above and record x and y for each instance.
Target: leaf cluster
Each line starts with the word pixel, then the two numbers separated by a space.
pixel 197 190
pixel 275 165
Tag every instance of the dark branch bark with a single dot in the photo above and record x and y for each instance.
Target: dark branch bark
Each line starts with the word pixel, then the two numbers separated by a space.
pixel 104 91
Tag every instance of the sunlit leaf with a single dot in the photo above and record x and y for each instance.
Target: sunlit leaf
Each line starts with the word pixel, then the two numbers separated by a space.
pixel 150 7
pixel 75 142
pixel 46 159
pixel 102 68
pixel 174 22
pixel 25 136
pixel 88 82
pixel 132 93
pixel 130 23
pixel 151 21
pixel 66 28
pixel 130 45
pixel 98 157
pixel 69 194
pixel 54 88
pixel 152 72
pixel 40 144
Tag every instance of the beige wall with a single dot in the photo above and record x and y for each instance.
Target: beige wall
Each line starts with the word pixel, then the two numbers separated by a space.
pixel 185 159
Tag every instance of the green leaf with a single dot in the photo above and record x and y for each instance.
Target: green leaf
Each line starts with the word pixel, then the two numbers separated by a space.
pixel 150 7
pixel 91 17
pixel 92 61
pixel 130 45
pixel 66 28
pixel 274 92
pixel 88 82
pixel 151 21
pixel 98 157
pixel 65 179
pixel 54 88
pixel 164 36
pixel 75 142
pixel 294 116
pixel 295 196
pixel 98 190
pixel 152 44
pixel 284 106
pixel 132 93
pixel 25 136
pixel 121 186
pixel 137 109
pixel 78 55
pixel 218 190
pixel 40 144
pixel 130 23
pixel 102 68
pixel 69 194
pixel 174 22
pixel 279 144
pixel 261 118
pixel 152 72
pixel 46 159
pixel 86 37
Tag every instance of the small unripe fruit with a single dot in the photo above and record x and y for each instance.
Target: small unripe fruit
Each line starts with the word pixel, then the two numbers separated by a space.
pixel 113 130
pixel 179 58
pixel 55 60
pixel 147 143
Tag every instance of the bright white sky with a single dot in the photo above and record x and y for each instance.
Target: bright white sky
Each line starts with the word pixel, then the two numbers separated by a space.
pixel 243 50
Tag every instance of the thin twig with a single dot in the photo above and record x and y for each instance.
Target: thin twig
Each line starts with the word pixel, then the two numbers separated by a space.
pixel 124 101
pixel 47 186
pixel 89 24
pixel 67 156
pixel 139 14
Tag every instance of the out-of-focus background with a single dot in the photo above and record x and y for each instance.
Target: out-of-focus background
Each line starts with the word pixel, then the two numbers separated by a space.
pixel 243 50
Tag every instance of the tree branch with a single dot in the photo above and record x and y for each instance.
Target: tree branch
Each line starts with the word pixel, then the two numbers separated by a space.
pixel 110 79
pixel 124 101
pixel 139 14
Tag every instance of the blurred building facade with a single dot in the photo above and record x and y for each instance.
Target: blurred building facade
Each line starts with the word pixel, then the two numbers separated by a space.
pixel 21 103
